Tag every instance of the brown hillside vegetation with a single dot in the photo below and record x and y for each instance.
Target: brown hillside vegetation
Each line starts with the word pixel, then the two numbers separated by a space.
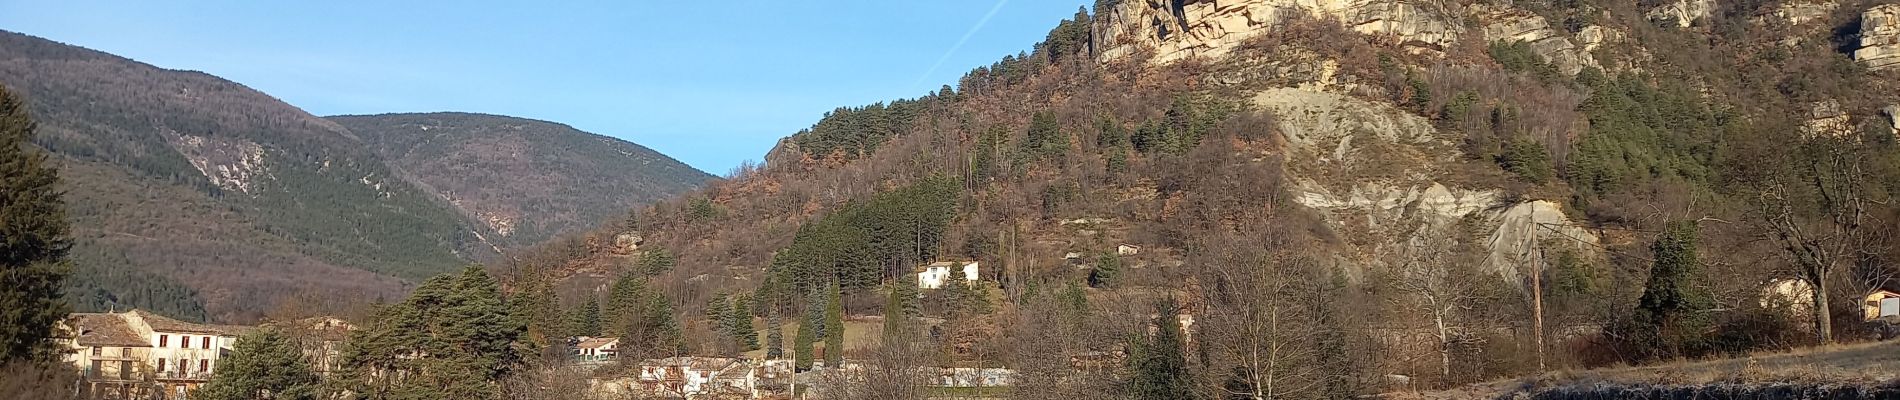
pixel 1196 163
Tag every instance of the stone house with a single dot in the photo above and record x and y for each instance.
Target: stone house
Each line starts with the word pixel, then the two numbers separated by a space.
pixel 697 377
pixel 116 349
pixel 935 275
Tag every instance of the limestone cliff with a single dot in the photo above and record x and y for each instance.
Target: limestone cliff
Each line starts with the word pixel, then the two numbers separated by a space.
pixel 1880 37
pixel 1381 176
pixel 1207 29
pixel 1179 29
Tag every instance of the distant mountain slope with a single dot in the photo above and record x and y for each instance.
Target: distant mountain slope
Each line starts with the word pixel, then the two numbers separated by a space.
pixel 182 182
pixel 528 180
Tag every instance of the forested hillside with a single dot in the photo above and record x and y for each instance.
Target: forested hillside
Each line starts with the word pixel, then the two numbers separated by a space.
pixel 527 180
pixel 1470 191
pixel 199 198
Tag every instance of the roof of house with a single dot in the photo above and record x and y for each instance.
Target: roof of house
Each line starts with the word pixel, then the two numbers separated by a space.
pixel 595 343
pixel 694 363
pixel 102 330
pixel 165 324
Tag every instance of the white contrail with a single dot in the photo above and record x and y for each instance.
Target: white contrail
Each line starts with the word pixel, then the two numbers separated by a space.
pixel 959 45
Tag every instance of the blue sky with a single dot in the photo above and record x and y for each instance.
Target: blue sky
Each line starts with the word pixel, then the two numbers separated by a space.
pixel 711 83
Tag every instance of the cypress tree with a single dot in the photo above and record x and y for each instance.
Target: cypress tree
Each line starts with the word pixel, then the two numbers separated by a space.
pixel 834 327
pixel 808 327
pixel 264 364
pixel 899 307
pixel 33 242
pixel 774 337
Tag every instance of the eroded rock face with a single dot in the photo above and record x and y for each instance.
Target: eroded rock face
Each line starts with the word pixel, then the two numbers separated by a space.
pixel 1684 13
pixel 1511 24
pixel 1376 173
pixel 232 164
pixel 1179 29
pixel 1893 118
pixel 1880 37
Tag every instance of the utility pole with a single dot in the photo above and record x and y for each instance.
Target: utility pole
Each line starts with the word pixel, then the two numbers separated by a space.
pixel 1537 303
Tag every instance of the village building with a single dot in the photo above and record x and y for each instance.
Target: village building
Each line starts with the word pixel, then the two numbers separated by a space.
pixel 320 338
pixel 1881 304
pixel 119 351
pixel 698 377
pixel 1127 250
pixel 935 275
pixel 588 350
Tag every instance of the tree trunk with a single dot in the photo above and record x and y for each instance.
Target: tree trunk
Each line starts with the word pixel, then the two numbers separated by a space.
pixel 1444 348
pixel 1823 320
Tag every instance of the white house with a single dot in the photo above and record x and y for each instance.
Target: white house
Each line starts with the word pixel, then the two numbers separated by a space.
pixel 1127 250
pixel 933 276
pixel 596 349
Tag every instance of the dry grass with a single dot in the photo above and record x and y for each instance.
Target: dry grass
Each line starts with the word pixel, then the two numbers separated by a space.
pixel 1867 364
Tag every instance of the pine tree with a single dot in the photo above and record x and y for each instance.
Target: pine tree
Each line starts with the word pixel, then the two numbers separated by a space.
pixel 738 323
pixel 535 304
pixel 662 327
pixel 626 308
pixel 33 242
pixel 585 320
pixel 265 364
pixel 834 327
pixel 656 261
pixel 1159 369
pixel 488 343
pixel 454 337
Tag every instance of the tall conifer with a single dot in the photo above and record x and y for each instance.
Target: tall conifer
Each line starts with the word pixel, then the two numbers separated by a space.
pixel 33 242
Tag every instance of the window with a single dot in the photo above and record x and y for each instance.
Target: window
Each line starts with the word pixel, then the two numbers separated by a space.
pixel 184 342
pixel 204 365
pixel 96 351
pixel 207 342
pixel 161 365
pixel 162 340
pixel 184 365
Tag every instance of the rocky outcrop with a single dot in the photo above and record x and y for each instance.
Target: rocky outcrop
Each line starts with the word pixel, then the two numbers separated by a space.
pixel 1801 12
pixel 1180 29
pixel 1512 24
pixel 1377 174
pixel 1893 118
pixel 232 164
pixel 1880 37
pixel 1683 13
pixel 1827 119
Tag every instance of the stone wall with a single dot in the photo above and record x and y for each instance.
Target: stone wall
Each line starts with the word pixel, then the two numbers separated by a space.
pixel 1880 37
